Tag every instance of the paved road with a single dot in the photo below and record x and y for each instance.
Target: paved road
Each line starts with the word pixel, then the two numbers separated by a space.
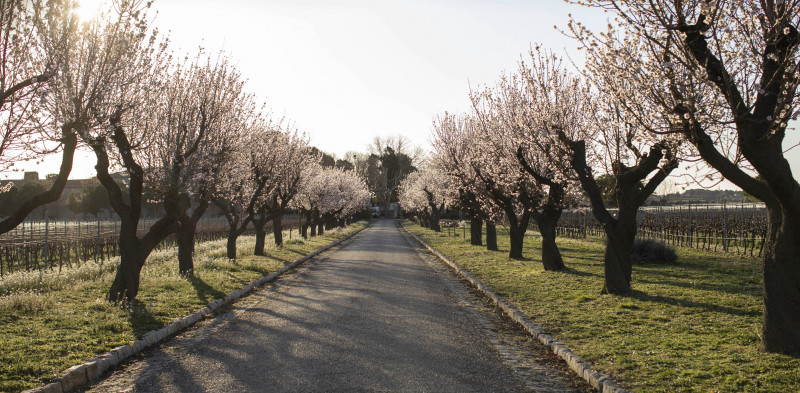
pixel 371 316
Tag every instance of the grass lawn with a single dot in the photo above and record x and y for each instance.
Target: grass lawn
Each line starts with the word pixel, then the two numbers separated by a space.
pixel 50 321
pixel 692 327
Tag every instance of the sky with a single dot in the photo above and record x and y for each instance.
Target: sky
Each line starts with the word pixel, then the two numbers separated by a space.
pixel 348 71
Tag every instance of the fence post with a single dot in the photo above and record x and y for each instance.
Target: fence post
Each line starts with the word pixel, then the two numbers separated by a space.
pixel 46 235
pixel 724 227
pixel 691 228
pixel 97 250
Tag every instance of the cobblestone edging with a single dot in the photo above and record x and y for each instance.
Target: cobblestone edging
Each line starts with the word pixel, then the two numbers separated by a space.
pixel 600 381
pixel 92 369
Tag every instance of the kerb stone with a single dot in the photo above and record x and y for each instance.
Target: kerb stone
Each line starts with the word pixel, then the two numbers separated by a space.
pixel 123 352
pixel 74 376
pixel 95 367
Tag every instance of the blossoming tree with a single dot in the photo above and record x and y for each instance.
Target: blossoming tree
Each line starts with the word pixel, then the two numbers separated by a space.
pixel 197 132
pixel 453 149
pixel 247 172
pixel 497 165
pixel 525 109
pixel 330 193
pixel 348 195
pixel 109 85
pixel 291 153
pixel 584 128
pixel 425 193
pixel 729 76
pixel 34 36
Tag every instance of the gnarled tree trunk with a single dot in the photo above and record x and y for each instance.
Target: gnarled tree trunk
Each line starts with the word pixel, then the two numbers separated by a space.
pixel 781 268
pixel 547 221
pixel 133 251
pixel 491 236
pixel 260 226
pixel 475 231
pixel 230 245
pixel 517 229
pixel 548 218
pixel 126 281
pixel 185 239
pixel 277 229
pixel 617 262
pixel 630 194
pixel 760 140
pixel 311 222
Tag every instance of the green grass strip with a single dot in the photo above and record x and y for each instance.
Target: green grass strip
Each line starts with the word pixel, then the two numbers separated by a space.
pixel 689 327
pixel 51 321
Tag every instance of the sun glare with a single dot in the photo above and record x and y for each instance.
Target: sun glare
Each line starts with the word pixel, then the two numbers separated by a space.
pixel 88 9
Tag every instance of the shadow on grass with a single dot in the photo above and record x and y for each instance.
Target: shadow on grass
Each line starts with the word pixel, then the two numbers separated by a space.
pixel 205 292
pixel 639 295
pixel 580 273
pixel 712 279
pixel 711 287
pixel 140 318
pixel 298 252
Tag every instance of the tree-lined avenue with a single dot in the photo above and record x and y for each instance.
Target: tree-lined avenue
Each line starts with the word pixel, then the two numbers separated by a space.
pixel 371 316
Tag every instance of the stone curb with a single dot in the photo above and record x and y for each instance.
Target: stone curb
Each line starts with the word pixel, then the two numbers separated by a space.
pixel 92 369
pixel 602 382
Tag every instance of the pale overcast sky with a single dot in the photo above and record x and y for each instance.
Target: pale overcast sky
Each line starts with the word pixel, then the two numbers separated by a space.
pixel 347 71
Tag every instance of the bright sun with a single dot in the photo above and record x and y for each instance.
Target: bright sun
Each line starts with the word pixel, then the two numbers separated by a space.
pixel 88 9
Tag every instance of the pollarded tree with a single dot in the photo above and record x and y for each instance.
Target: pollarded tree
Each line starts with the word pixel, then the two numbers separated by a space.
pixel 34 36
pixel 197 134
pixel 426 193
pixel 453 147
pixel 730 76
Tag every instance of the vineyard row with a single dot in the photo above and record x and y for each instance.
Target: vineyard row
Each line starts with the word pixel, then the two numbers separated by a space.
pixel 57 245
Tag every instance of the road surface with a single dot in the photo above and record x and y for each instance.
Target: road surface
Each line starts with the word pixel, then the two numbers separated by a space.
pixel 372 315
